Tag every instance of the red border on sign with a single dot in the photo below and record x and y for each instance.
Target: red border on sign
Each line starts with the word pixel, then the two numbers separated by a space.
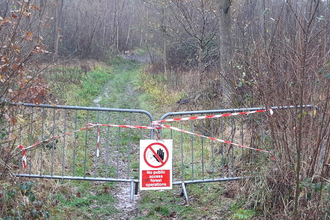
pixel 156 155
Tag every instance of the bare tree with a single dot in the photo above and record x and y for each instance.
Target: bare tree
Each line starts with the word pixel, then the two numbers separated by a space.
pixel 226 51
pixel 57 28
pixel 197 26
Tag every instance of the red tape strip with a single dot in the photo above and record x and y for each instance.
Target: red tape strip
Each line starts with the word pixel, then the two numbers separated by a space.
pixel 214 139
pixel 24 162
pixel 214 116
pixel 98 141
pixel 59 136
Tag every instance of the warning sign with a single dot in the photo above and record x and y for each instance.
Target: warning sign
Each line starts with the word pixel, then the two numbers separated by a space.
pixel 155 164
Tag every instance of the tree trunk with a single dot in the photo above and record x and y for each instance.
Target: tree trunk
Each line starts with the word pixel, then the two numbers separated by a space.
pixel 226 53
pixel 164 40
pixel 58 16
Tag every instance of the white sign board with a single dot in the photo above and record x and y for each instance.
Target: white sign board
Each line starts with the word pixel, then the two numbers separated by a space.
pixel 155 164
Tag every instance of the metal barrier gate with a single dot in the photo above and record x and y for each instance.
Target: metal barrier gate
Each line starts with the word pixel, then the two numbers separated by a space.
pixel 198 159
pixel 59 143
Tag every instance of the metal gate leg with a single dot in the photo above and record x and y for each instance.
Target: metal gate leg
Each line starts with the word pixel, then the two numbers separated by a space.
pixel 136 188
pixel 184 192
pixel 132 191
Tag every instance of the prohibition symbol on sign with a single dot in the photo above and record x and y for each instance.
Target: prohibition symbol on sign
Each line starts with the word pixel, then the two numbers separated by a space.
pixel 156 155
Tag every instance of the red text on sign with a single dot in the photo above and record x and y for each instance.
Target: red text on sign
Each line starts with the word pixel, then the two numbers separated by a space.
pixel 156 178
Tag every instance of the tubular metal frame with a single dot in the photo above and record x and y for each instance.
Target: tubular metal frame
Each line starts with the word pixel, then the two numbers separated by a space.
pixel 196 159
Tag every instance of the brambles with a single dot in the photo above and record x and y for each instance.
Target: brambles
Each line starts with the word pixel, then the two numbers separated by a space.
pixel 22 201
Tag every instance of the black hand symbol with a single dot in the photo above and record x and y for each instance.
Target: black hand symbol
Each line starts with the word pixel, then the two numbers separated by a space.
pixel 160 153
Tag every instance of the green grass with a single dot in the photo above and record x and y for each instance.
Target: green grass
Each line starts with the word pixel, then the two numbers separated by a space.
pixel 240 213
pixel 74 87
pixel 206 201
pixel 121 90
pixel 92 84
pixel 161 204
pixel 244 214
pixel 87 201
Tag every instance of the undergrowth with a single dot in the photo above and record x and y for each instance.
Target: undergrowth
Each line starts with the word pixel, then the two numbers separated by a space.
pixel 22 201
pixel 160 95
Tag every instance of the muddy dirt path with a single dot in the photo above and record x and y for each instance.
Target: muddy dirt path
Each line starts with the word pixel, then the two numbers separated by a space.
pixel 121 93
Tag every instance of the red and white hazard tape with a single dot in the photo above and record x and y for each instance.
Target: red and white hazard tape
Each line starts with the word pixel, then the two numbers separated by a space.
pixel 98 141
pixel 23 150
pixel 158 124
pixel 24 163
pixel 155 125
pixel 214 139
pixel 59 136
pixel 215 116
